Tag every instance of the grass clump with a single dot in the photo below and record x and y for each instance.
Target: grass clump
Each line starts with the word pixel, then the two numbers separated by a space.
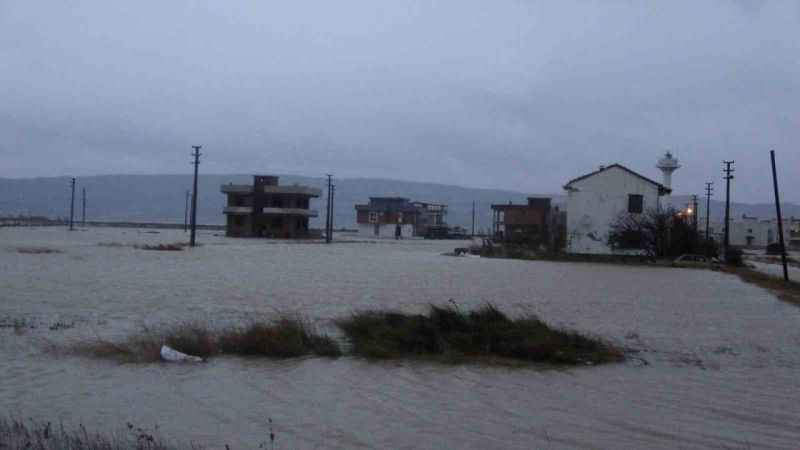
pixel 486 332
pixel 37 250
pixel 286 337
pixel 16 434
pixel 174 247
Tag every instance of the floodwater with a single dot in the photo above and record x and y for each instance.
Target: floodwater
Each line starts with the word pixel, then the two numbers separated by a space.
pixel 717 362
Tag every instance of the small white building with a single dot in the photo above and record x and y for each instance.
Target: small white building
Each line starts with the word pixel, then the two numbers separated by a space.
pixel 596 200
pixel 758 233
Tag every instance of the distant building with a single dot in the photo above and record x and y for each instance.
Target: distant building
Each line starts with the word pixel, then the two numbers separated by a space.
pixel 531 223
pixel 758 233
pixel 596 200
pixel 392 217
pixel 265 209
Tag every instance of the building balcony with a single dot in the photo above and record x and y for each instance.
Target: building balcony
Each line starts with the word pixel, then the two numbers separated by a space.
pixel 291 212
pixel 246 210
pixel 293 190
pixel 287 190
pixel 238 210
pixel 236 189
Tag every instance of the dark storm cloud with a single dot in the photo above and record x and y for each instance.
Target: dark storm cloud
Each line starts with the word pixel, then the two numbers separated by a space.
pixel 511 94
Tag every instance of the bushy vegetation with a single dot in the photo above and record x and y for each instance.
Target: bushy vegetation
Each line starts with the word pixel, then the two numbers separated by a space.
pixel 445 333
pixel 486 332
pixel 283 338
pixel 734 257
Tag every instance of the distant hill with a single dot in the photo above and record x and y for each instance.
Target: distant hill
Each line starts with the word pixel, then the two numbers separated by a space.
pixel 160 198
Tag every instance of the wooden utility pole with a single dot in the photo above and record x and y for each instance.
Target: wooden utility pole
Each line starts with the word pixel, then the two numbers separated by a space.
pixel 83 208
pixel 709 191
pixel 333 202
pixel 72 207
pixel 728 177
pixel 780 218
pixel 186 213
pixel 473 218
pixel 196 155
pixel 328 211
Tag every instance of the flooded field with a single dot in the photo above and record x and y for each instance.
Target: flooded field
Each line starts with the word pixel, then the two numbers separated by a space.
pixel 715 362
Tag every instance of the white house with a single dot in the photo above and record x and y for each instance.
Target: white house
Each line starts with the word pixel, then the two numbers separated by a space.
pixel 595 201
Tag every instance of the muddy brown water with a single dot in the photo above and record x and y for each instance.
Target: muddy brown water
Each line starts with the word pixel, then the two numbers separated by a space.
pixel 716 362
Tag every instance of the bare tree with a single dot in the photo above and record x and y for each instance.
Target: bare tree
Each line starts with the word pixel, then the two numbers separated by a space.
pixel 656 233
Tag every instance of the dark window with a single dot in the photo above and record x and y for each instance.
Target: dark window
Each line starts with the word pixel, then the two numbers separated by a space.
pixel 635 203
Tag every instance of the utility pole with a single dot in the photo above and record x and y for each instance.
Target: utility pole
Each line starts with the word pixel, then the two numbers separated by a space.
pixel 473 218
pixel 709 191
pixel 333 202
pixel 328 212
pixel 728 177
pixel 186 213
pixel 780 218
pixel 83 211
pixel 72 207
pixel 196 163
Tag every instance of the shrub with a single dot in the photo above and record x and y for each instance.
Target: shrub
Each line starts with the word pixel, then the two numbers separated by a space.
pixel 484 332
pixel 734 257
pixel 775 249
pixel 286 337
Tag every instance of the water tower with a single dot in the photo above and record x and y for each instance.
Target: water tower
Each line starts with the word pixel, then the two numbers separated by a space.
pixel 667 165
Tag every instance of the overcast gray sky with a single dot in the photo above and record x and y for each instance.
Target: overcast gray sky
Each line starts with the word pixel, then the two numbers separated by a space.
pixel 513 94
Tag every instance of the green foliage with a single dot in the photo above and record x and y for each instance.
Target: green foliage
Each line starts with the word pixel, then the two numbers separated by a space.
pixel 484 332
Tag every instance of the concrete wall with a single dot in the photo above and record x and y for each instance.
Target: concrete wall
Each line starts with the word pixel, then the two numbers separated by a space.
pixel 385 231
pixel 595 204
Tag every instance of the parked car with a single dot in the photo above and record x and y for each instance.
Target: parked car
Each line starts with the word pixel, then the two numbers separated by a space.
pixel 696 261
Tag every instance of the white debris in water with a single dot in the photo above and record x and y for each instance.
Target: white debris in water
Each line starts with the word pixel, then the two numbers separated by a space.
pixel 171 355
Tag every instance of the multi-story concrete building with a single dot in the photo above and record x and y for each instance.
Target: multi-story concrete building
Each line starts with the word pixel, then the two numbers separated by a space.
pixel 398 217
pixel 523 223
pixel 265 209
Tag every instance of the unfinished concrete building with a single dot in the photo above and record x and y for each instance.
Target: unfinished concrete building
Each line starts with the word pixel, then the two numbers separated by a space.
pixel 265 209
pixel 532 223
pixel 391 217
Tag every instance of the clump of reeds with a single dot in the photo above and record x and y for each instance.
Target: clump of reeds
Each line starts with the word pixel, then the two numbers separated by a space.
pixel 174 247
pixel 110 244
pixel 286 337
pixel 16 434
pixel 484 333
pixel 37 250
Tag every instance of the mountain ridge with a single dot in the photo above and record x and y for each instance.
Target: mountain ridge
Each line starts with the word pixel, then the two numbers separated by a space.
pixel 161 198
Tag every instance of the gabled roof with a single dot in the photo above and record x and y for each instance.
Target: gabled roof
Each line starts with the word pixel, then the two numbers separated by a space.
pixel 661 188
